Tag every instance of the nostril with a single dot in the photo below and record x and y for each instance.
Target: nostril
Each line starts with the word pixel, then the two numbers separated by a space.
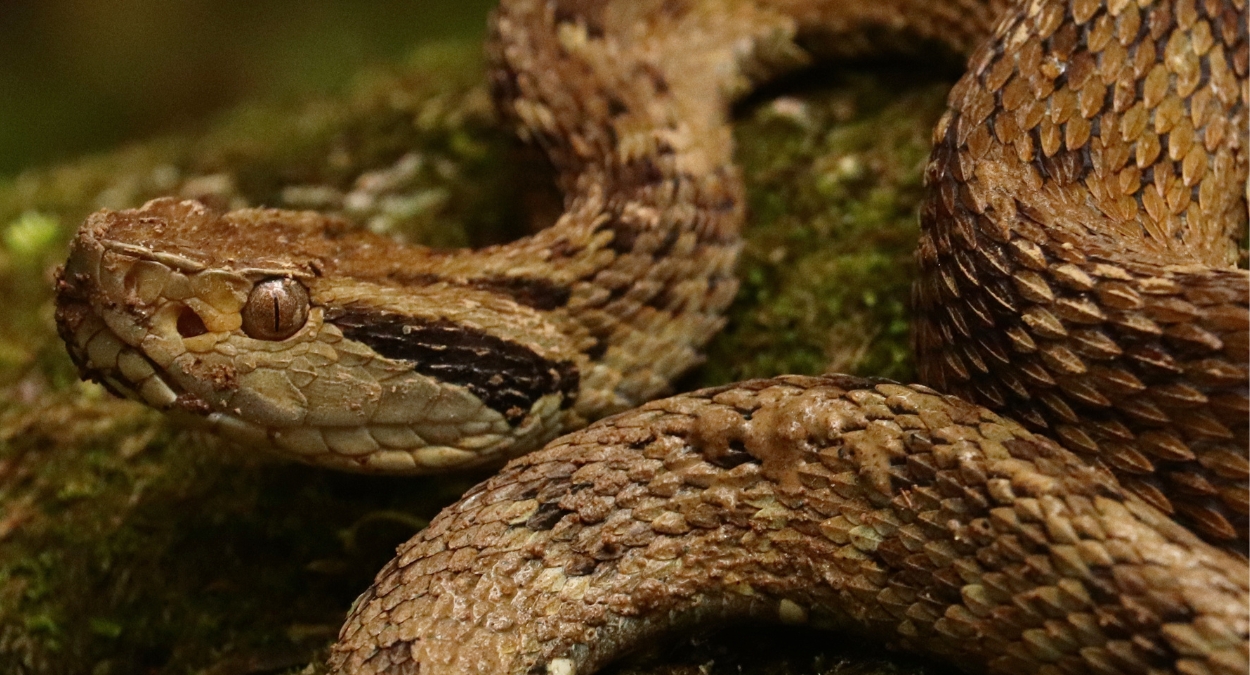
pixel 190 324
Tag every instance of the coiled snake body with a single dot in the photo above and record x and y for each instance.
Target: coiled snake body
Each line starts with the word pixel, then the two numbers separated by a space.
pixel 1086 189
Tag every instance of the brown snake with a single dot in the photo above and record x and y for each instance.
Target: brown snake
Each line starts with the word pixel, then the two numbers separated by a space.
pixel 1086 189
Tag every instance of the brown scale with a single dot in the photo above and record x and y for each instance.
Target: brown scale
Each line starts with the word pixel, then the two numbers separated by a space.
pixel 920 519
pixel 1110 271
pixel 1085 190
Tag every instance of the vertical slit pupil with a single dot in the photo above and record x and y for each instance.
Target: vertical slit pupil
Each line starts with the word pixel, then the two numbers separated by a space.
pixel 276 309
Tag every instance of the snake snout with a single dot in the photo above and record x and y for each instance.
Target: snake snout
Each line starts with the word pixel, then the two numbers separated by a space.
pixel 103 357
pixel 110 307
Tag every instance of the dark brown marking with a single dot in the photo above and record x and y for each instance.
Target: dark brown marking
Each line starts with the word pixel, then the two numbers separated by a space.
pixel 732 455
pixel 586 12
pixel 546 517
pixel 658 82
pixel 624 236
pixel 508 377
pixel 616 107
pixel 542 294
pixel 597 350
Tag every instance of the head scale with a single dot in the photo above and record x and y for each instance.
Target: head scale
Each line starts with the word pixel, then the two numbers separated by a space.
pixel 260 324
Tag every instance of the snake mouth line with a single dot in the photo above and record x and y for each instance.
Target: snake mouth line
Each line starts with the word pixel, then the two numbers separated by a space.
pixel 125 371
pixel 104 356
pixel 167 353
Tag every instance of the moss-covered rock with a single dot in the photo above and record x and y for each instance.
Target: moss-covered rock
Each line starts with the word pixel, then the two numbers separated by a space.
pixel 130 546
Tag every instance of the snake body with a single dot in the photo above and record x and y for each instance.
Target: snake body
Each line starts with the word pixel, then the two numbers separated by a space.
pixel 1086 189
pixel 842 503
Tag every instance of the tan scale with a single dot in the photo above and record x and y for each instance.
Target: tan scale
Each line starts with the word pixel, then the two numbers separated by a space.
pixel 1086 192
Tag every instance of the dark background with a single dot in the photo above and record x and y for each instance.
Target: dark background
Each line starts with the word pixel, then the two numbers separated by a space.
pixel 83 75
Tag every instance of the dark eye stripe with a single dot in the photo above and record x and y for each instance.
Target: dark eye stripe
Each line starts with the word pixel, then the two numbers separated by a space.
pixel 508 377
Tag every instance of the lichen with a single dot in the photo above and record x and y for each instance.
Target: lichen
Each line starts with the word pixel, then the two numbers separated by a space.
pixel 128 544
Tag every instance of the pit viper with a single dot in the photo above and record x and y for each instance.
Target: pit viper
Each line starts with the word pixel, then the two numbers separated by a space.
pixel 1086 192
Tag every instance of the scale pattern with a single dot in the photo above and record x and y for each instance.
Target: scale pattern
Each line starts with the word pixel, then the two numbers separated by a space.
pixel 1088 186
pixel 930 522
pixel 1085 189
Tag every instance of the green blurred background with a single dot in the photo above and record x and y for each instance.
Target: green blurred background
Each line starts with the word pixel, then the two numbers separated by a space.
pixel 83 75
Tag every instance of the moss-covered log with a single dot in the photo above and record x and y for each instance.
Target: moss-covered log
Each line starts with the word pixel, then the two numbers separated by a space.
pixel 130 546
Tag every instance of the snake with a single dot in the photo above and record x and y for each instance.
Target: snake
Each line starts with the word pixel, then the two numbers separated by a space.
pixel 1067 494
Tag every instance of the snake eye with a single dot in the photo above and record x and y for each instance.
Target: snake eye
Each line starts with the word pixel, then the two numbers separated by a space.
pixel 275 309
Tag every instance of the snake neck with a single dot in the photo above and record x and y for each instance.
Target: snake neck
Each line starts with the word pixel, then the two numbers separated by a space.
pixel 630 101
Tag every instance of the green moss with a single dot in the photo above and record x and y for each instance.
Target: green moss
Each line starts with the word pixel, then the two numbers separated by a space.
pixel 130 545
pixel 834 181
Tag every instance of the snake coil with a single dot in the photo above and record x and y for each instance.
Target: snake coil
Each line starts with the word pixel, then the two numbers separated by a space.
pixel 1085 194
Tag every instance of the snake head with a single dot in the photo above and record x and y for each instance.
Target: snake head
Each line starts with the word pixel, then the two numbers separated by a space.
pixel 261 324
